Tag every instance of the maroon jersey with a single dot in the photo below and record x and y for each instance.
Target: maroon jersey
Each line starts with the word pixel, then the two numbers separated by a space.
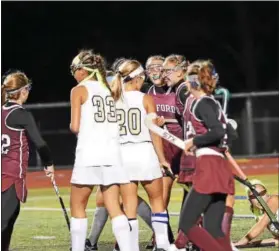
pixel 198 127
pixel 166 107
pixel 212 174
pixel 14 154
pixel 187 163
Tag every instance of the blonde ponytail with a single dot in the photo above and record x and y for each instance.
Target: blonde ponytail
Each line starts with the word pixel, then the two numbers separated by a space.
pixel 117 87
pixel 3 95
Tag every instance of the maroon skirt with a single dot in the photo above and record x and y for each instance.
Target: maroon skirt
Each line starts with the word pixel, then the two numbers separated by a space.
pixel 172 155
pixel 187 169
pixel 213 175
pixel 20 186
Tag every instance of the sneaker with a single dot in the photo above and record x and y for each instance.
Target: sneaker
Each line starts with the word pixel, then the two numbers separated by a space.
pixel 151 243
pixel 89 246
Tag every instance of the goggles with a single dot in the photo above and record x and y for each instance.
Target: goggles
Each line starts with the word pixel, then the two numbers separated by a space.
pixel 252 196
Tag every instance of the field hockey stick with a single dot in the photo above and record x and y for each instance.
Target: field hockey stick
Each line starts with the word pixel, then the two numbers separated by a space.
pixel 171 175
pixel 226 96
pixel 257 245
pixel 235 165
pixel 177 141
pixel 61 203
pixel 259 198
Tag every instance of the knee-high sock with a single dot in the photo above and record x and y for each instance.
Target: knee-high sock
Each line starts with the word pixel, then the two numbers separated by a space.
pixel 122 232
pixel 100 219
pixel 201 238
pixel 78 233
pixel 227 221
pixel 160 227
pixel 181 240
pixel 225 243
pixel 134 223
pixel 144 211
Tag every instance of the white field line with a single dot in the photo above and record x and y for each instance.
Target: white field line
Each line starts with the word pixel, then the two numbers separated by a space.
pixel 50 209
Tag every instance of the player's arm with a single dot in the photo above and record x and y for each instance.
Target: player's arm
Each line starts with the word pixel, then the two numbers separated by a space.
pixel 78 96
pixel 260 226
pixel 150 107
pixel 23 119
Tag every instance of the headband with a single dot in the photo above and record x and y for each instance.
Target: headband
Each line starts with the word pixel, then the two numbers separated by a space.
pixel 133 74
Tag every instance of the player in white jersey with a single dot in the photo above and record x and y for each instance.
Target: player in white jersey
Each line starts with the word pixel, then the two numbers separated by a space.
pixel 98 158
pixel 142 151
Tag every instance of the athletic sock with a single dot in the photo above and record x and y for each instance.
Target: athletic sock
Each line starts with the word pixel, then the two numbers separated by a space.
pixel 160 226
pixel 78 233
pixel 201 238
pixel 100 219
pixel 144 211
pixel 134 223
pixel 225 243
pixel 122 232
pixel 227 221
pixel 181 240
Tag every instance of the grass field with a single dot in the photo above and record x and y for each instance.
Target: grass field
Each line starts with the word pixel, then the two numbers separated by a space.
pixel 39 218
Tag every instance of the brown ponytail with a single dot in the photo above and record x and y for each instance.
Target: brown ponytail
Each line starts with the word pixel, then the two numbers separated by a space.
pixel 94 62
pixel 208 83
pixel 12 82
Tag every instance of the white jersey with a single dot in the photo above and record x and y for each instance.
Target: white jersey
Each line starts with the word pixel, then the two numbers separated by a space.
pixel 138 153
pixel 131 114
pixel 98 137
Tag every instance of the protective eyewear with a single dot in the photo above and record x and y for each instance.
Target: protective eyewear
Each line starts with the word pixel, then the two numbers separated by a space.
pixel 252 196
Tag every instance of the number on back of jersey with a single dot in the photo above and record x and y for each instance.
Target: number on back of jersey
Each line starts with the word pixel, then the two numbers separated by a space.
pixel 5 143
pixel 101 115
pixel 133 123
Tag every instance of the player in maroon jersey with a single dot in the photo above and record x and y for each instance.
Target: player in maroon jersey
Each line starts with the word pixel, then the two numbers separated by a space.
pixel 174 69
pixel 166 86
pixel 187 164
pixel 17 126
pixel 213 179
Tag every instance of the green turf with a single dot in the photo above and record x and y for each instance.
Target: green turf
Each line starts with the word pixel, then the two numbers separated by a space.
pixel 52 223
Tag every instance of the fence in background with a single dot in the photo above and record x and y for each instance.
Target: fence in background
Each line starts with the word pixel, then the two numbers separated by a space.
pixel 256 113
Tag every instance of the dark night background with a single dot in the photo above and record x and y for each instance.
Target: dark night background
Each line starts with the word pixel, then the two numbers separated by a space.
pixel 41 38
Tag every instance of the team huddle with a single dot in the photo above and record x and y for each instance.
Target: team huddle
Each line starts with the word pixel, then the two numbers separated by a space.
pixel 116 151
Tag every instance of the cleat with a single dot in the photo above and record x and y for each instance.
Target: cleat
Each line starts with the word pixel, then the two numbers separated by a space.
pixel 89 246
pixel 151 243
